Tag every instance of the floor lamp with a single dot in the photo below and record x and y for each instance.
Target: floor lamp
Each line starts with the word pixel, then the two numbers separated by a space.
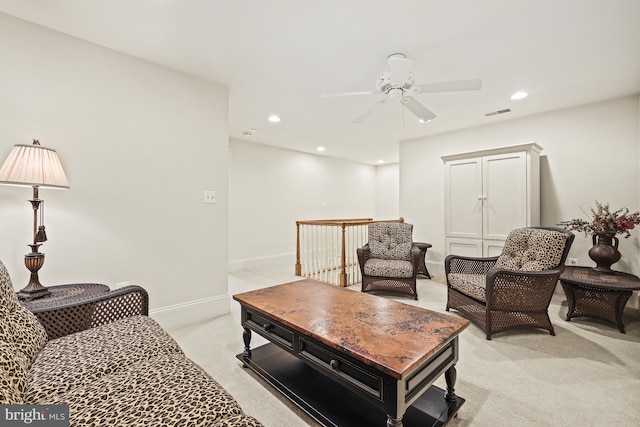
pixel 34 166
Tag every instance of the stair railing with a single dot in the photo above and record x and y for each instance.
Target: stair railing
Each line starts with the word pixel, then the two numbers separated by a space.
pixel 326 249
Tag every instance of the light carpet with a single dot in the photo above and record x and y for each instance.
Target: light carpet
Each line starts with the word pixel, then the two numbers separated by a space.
pixel 587 375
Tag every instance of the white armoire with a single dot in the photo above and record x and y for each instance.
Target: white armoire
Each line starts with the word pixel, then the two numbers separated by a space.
pixel 487 194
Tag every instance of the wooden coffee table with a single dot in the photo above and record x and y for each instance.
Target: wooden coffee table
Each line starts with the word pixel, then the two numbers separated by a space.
pixel 353 359
pixel 600 295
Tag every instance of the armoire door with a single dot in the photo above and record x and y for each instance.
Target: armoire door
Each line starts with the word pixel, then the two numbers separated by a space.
pixel 463 198
pixel 504 194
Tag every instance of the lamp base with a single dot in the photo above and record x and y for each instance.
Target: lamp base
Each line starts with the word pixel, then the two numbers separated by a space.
pixel 34 289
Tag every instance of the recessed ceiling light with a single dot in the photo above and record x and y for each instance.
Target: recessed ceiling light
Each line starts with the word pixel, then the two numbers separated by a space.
pixel 519 95
pixel 424 121
pixel 380 162
pixel 320 148
pixel 274 119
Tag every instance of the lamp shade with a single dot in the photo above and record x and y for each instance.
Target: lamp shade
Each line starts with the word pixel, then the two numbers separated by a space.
pixel 33 165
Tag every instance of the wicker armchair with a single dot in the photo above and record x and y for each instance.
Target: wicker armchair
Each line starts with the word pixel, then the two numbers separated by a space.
pixel 513 290
pixel 389 261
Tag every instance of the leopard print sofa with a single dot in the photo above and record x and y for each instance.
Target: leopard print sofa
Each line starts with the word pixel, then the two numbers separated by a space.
pixel 129 372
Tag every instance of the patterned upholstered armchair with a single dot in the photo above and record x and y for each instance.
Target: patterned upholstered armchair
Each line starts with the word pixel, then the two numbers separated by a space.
pixel 513 290
pixel 389 261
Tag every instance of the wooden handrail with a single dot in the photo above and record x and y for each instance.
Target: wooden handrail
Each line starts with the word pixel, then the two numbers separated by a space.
pixel 336 222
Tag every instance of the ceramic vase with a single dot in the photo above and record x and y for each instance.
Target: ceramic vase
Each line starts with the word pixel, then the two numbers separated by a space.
pixel 604 253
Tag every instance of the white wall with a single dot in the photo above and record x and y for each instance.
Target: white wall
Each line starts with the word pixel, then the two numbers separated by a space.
pixel 590 152
pixel 139 144
pixel 388 191
pixel 272 188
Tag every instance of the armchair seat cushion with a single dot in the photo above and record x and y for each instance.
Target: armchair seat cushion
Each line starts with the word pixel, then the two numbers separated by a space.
pixel 388 268
pixel 473 285
pixel 83 358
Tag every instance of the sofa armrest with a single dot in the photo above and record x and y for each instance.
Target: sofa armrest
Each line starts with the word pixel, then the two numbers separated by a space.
pixel 93 310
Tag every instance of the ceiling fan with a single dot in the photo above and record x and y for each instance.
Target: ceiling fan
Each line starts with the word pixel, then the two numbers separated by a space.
pixel 397 84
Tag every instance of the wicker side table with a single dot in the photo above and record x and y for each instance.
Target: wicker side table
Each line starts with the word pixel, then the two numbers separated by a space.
pixel 600 295
pixel 64 307
pixel 422 267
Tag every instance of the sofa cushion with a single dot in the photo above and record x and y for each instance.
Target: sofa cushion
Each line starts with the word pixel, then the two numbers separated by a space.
pixel 532 249
pixel 13 374
pixel 168 388
pixel 473 285
pixel 29 336
pixel 390 240
pixel 8 296
pixel 17 324
pixel 6 332
pixel 84 357
pixel 388 268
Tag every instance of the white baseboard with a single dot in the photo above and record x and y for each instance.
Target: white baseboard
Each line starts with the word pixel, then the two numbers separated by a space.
pixel 262 262
pixel 175 316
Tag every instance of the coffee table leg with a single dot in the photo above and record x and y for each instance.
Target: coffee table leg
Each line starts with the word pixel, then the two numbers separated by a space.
pixel 394 422
pixel 450 376
pixel 246 337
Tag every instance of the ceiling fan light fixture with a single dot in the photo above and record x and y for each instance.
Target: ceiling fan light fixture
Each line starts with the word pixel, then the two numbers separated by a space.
pixel 397 84
pixel 395 93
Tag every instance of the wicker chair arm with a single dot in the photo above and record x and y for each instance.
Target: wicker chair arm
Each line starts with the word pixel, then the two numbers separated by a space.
pixel 468 265
pixel 520 290
pixel 363 256
pixel 93 310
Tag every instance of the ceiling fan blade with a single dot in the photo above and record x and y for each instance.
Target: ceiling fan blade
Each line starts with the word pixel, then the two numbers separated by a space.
pixel 399 69
pixel 456 85
pixel 333 95
pixel 370 111
pixel 422 112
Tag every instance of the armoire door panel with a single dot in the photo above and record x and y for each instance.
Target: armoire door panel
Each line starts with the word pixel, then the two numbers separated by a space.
pixel 463 187
pixel 492 247
pixel 505 189
pixel 464 247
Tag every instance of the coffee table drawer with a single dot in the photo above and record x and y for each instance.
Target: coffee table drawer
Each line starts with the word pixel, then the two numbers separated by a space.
pixel 337 367
pixel 273 331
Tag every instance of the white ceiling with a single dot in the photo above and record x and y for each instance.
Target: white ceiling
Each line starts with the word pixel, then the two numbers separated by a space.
pixel 278 56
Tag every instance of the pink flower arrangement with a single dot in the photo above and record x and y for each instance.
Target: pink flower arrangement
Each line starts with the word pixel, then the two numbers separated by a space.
pixel 605 223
